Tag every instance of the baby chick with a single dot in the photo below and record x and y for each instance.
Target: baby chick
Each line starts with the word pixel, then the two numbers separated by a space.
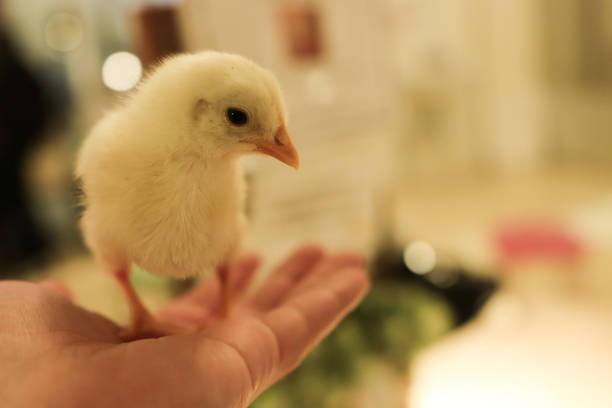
pixel 163 187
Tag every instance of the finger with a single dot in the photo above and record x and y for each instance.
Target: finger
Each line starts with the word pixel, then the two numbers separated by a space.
pixel 302 321
pixel 338 261
pixel 58 287
pixel 197 306
pixel 285 276
pixel 240 274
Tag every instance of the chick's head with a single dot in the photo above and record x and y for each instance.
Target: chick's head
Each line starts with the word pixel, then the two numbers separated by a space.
pixel 227 105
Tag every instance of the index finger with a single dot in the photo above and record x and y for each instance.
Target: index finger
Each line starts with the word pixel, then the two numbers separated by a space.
pixel 303 320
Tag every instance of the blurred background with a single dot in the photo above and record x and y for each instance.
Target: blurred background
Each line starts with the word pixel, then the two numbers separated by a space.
pixel 464 147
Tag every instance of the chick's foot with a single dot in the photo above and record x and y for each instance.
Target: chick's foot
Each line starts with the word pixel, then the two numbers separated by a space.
pixel 143 325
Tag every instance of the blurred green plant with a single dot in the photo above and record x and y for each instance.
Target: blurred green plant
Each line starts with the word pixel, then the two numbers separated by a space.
pixel 392 323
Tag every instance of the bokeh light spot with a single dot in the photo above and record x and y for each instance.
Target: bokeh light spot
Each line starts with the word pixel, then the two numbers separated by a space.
pixel 63 32
pixel 420 257
pixel 121 71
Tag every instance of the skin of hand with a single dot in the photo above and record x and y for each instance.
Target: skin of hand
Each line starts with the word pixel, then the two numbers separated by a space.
pixel 56 354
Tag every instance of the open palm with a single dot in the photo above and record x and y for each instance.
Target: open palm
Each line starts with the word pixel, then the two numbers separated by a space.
pixel 56 354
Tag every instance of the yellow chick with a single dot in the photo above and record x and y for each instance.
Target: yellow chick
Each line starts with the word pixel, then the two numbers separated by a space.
pixel 163 187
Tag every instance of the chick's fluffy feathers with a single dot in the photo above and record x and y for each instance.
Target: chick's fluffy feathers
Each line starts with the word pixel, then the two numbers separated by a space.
pixel 158 192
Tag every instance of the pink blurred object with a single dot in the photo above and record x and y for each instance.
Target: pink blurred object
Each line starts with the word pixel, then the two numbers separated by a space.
pixel 537 240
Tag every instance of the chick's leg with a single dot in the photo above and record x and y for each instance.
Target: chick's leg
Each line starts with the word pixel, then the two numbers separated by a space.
pixel 142 324
pixel 224 278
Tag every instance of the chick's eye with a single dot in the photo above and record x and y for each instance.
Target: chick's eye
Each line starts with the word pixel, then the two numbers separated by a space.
pixel 236 116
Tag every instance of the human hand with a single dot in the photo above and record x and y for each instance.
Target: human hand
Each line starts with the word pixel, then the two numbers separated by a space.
pixel 56 354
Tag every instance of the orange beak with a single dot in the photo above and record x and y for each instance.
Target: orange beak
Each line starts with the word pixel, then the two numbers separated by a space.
pixel 281 149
